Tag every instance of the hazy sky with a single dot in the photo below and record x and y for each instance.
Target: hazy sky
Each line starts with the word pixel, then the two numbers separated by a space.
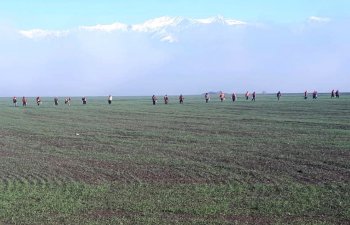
pixel 76 47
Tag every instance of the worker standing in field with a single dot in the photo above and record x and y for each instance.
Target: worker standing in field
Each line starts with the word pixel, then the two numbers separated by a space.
pixel 55 100
pixel 332 94
pixel 24 101
pixel 314 95
pixel 234 97
pixel 14 100
pixel 305 95
pixel 84 100
pixel 38 100
pixel 154 99
pixel 67 101
pixel 207 97
pixel 279 95
pixel 110 98
pixel 166 99
pixel 247 95
pixel 181 99
pixel 222 96
pixel 254 95
pixel 337 94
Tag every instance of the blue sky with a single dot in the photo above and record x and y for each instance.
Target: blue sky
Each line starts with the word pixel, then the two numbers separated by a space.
pixel 76 47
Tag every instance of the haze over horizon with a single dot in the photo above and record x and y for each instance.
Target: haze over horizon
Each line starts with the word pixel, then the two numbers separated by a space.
pixel 62 48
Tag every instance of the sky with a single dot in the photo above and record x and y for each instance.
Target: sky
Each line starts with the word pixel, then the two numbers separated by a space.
pixel 76 47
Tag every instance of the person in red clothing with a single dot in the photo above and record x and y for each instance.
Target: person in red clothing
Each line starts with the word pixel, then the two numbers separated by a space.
pixel 222 96
pixel 24 101
pixel 166 99
pixel 247 95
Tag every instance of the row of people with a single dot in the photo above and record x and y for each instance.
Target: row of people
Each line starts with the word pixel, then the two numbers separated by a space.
pixel 247 96
pixel 67 101
pixel 38 101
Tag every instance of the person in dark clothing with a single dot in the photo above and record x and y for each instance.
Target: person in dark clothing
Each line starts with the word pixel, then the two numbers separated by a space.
pixel 305 95
pixel 332 94
pixel 84 100
pixel 181 99
pixel 154 99
pixel 279 95
pixel 234 97
pixel 314 95
pixel 207 97
pixel 14 100
pixel 253 95
pixel 337 94
pixel 55 100
pixel 38 100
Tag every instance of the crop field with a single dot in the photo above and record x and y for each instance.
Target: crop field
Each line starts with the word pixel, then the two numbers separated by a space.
pixel 263 162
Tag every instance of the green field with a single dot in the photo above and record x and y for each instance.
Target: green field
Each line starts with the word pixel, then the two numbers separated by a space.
pixel 263 162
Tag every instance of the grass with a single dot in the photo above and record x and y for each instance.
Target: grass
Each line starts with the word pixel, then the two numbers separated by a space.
pixel 263 162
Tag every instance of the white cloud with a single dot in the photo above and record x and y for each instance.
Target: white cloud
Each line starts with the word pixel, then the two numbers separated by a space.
pixel 169 38
pixel 40 34
pixel 235 22
pixel 106 28
pixel 319 19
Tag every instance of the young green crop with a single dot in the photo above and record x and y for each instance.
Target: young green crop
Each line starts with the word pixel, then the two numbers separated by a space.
pixel 263 162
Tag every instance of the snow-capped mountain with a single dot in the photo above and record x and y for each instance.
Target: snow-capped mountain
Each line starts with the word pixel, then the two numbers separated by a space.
pixel 165 28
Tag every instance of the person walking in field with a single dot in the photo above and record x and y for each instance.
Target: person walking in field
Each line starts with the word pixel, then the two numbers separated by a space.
pixel 222 96
pixel 253 95
pixel 305 95
pixel 38 100
pixel 247 94
pixel 234 97
pixel 279 95
pixel 67 101
pixel 110 98
pixel 55 100
pixel 314 95
pixel 24 101
pixel 332 94
pixel 14 100
pixel 207 97
pixel 181 99
pixel 154 99
pixel 166 99
pixel 337 94
pixel 84 100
